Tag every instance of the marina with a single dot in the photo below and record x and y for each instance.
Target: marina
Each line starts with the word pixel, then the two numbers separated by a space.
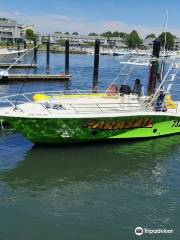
pixel 89 120
pixel 116 113
pixel 90 186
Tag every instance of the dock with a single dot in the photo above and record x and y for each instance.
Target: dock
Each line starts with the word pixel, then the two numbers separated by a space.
pixel 18 65
pixel 35 77
pixel 7 77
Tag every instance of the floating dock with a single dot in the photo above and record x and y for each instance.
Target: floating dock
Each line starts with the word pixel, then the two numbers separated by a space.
pixel 35 77
pixel 18 65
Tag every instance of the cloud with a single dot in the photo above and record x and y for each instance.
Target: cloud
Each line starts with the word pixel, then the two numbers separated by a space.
pixel 56 22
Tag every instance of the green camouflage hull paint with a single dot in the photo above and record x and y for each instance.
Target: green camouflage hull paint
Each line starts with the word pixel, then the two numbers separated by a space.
pixel 76 130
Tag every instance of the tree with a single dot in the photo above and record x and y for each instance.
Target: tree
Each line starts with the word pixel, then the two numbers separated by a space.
pixel 115 34
pixel 58 32
pixel 30 35
pixel 169 40
pixel 134 40
pixel 61 42
pixel 75 33
pixel 3 19
pixel 152 35
pixel 107 34
pixel 93 34
pixel 123 35
pixel 67 33
pixel 90 44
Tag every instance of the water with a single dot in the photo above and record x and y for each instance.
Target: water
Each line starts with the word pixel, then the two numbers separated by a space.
pixel 96 191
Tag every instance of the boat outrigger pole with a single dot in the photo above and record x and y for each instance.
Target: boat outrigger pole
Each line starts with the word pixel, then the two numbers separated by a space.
pixel 154 67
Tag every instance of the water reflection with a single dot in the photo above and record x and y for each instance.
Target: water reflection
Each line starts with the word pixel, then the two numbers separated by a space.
pixel 41 168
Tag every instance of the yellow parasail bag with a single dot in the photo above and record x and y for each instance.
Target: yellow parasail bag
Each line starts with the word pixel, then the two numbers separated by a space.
pixel 41 97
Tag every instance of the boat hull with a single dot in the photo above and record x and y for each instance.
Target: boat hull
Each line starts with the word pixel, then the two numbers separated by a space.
pixel 56 130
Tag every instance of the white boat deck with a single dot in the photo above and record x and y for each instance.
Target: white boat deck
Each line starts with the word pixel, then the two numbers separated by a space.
pixel 84 107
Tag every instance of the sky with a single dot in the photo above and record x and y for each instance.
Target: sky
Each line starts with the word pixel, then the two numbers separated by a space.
pixel 85 16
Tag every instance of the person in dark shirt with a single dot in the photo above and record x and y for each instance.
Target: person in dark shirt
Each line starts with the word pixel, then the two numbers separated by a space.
pixel 160 103
pixel 137 87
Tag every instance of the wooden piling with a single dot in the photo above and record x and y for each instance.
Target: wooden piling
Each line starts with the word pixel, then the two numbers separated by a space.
pixel 18 48
pixel 25 45
pixel 67 57
pixel 47 54
pixel 154 68
pixel 96 65
pixel 35 52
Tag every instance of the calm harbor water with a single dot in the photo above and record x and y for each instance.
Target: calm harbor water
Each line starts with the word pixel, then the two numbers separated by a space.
pixel 96 191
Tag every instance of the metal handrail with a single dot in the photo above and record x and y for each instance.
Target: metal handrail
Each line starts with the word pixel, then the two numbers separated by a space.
pixel 78 107
pixel 160 86
pixel 59 92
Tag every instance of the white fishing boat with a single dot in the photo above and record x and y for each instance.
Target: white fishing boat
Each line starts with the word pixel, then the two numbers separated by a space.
pixel 121 52
pixel 6 51
pixel 10 54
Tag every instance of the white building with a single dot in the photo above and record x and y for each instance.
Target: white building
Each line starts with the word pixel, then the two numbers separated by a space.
pixel 11 31
pixel 177 43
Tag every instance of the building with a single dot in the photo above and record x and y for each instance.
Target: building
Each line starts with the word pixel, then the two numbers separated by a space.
pixel 177 43
pixel 148 42
pixel 11 31
pixel 80 40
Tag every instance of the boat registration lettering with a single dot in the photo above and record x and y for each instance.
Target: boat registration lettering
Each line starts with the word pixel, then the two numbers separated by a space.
pixel 116 125
pixel 176 123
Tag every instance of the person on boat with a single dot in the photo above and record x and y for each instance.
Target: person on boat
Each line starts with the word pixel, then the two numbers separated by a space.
pixel 160 103
pixel 125 89
pixel 137 89
pixel 112 90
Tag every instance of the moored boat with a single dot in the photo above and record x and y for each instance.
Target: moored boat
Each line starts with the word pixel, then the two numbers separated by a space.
pixel 117 113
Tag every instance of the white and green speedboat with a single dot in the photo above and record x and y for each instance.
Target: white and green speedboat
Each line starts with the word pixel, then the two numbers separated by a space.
pixel 57 117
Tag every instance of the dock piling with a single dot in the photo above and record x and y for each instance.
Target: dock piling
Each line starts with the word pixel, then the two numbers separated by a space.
pixel 154 69
pixel 47 54
pixel 35 52
pixel 67 57
pixel 96 65
pixel 18 48
pixel 25 45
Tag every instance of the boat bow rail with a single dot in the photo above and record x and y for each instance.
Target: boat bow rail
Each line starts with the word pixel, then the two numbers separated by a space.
pixel 15 99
